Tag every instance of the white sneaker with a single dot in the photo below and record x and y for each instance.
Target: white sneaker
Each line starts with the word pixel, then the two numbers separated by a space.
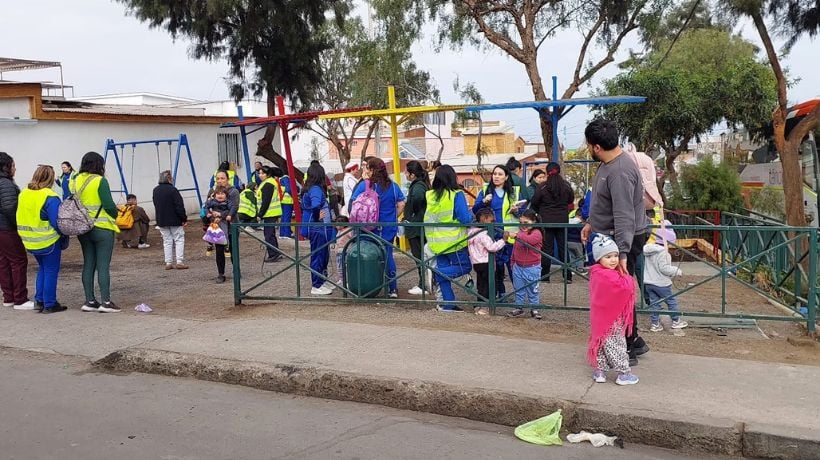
pixel 320 291
pixel 108 307
pixel 679 324
pixel 328 286
pixel 29 305
pixel 143 246
pixel 393 295
pixel 8 304
pixel 415 290
pixel 656 327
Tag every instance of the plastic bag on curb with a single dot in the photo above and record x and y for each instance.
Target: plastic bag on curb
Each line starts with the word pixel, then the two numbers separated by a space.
pixel 543 431
pixel 596 439
pixel 142 308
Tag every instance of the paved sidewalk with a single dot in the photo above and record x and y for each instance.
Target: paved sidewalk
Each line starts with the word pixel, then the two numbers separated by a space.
pixel 699 391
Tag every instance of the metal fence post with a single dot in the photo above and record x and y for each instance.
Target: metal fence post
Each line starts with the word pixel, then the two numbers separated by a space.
pixel 811 315
pixel 237 272
pixel 297 261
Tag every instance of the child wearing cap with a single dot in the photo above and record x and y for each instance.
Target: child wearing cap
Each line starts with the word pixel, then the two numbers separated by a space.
pixel 611 298
pixel 657 278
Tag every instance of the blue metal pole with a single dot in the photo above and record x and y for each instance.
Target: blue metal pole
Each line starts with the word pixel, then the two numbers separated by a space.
pixel 183 140
pixel 245 153
pixel 554 120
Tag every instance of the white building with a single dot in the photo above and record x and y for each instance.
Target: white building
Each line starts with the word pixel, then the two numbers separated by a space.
pixel 36 129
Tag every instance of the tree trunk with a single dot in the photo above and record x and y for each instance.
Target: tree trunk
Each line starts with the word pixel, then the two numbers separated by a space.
pixel 671 173
pixel 370 129
pixel 264 149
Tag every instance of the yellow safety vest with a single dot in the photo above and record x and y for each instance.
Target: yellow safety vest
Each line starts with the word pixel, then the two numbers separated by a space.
pixel 35 232
pixel 248 206
pixel 507 214
pixel 286 197
pixel 275 207
pixel 656 221
pixel 443 240
pixel 92 202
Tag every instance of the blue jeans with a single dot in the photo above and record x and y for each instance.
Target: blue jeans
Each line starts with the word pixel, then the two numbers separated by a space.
pixel 452 265
pixel 285 230
pixel 388 234
pixel 319 258
pixel 525 282
pixel 47 273
pixel 656 293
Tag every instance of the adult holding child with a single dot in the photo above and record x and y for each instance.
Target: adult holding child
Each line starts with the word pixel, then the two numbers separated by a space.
pixel 13 259
pixel 617 209
pixel 446 204
pixel 502 197
pixel 391 204
pixel 37 226
pixel 92 189
pixel 552 201
pixel 414 212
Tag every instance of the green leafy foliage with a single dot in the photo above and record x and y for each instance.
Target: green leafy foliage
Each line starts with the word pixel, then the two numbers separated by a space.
pixel 708 186
pixel 272 47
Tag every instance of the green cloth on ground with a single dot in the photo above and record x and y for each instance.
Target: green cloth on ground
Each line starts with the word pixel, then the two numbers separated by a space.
pixel 97 246
pixel 544 431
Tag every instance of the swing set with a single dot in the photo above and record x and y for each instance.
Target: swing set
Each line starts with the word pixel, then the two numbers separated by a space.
pixel 118 149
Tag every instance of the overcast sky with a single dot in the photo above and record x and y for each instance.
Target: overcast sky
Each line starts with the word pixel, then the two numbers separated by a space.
pixel 103 51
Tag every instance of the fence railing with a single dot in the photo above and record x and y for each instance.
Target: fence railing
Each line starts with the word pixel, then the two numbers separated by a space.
pixel 778 263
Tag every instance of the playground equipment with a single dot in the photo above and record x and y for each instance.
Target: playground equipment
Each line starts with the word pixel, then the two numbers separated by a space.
pixel 118 150
pixel 284 122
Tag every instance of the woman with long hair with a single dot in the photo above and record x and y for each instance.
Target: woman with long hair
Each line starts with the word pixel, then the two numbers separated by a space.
pixel 65 177
pixel 391 204
pixel 553 201
pixel 536 180
pixel 13 258
pixel 41 237
pixel 446 204
pixel 414 212
pixel 502 197
pixel 98 244
pixel 315 209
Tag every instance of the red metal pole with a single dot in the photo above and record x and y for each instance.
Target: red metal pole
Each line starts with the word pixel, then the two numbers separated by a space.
pixel 284 127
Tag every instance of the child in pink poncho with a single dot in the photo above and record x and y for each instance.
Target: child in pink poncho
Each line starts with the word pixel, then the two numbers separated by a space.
pixel 611 300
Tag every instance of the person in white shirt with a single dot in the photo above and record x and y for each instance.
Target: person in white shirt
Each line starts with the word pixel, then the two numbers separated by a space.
pixel 352 175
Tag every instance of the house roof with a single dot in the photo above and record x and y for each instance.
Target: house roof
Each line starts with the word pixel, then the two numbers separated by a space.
pixel 502 129
pixel 170 99
pixel 13 65
pixel 115 109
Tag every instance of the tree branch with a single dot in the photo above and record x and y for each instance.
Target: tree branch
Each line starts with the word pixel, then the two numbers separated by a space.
pixel 509 46
pixel 680 31
pixel 805 126
pixel 782 101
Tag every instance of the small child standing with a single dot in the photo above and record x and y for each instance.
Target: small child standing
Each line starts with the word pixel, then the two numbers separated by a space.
pixel 611 300
pixel 526 264
pixel 218 206
pixel 480 245
pixel 657 278
pixel 344 234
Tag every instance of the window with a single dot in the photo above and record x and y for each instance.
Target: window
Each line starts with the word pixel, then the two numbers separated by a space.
pixel 434 118
pixel 228 148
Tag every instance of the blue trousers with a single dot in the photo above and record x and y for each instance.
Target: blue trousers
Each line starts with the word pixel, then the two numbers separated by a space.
pixel 48 271
pixel 452 265
pixel 319 258
pixel 388 234
pixel 285 230
pixel 655 293
pixel 525 282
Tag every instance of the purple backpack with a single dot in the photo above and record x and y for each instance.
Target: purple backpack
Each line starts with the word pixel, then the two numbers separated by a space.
pixel 365 208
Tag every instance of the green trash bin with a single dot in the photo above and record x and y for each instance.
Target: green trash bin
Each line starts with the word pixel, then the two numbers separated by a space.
pixel 364 266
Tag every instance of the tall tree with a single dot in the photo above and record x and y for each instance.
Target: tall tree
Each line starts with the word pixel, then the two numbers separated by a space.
pixel 358 70
pixel 272 47
pixel 520 29
pixel 791 20
pixel 710 76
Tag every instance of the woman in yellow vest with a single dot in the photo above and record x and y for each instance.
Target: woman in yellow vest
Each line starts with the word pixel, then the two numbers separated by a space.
pixel 501 195
pixel 446 205
pixel 270 209
pixel 98 244
pixel 37 211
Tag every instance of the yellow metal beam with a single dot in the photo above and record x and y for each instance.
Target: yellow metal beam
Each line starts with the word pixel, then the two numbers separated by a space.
pixel 394 111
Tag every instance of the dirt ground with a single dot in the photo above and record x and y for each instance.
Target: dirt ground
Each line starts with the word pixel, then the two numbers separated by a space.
pixel 138 276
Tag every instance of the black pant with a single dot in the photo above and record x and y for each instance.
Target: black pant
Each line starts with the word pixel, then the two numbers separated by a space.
pixel 220 259
pixel 270 237
pixel 415 249
pixel 482 274
pixel 553 236
pixel 634 340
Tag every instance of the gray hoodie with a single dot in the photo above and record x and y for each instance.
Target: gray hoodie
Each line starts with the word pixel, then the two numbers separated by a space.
pixel 658 269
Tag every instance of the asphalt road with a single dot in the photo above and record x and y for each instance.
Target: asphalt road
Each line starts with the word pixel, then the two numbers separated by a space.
pixel 57 407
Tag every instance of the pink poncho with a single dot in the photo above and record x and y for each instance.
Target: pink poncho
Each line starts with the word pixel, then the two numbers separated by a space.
pixel 611 304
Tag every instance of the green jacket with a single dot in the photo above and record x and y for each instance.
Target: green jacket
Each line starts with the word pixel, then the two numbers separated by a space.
pixel 524 193
pixel 415 206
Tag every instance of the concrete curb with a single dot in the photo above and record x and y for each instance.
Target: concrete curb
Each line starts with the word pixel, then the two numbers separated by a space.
pixel 685 433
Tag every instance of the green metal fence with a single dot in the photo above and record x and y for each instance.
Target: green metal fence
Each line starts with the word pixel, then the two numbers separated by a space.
pixel 779 263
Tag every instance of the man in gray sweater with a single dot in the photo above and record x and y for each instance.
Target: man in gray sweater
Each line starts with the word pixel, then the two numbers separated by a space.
pixel 617 207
